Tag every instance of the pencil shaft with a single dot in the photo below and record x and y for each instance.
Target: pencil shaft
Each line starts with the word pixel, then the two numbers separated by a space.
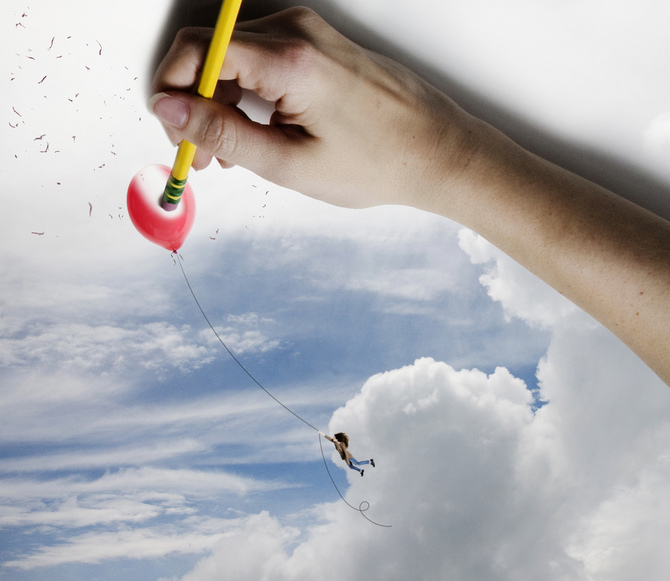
pixel 210 75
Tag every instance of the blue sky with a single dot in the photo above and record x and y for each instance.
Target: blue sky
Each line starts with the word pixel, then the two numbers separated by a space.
pixel 133 447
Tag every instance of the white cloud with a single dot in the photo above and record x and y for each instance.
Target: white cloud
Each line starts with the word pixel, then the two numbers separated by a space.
pixel 129 544
pixel 254 550
pixel 520 293
pixel 183 481
pixel 124 506
pixel 415 284
pixel 73 512
pixel 126 455
pixel 476 486
pixel 627 535
pixel 105 347
pixel 243 334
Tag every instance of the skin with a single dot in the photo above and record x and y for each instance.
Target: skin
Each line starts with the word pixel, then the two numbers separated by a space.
pixel 355 129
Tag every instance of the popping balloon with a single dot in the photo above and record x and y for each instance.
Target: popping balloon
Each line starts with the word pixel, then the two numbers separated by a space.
pixel 144 200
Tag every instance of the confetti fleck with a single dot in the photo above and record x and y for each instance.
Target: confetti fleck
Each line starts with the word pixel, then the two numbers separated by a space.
pixel 44 77
pixel 90 209
pixel 38 233
pixel 52 42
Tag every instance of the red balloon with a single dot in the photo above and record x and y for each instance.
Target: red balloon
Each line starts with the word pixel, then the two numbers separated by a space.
pixel 168 229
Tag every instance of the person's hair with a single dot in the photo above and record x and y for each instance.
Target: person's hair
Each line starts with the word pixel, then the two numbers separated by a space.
pixel 342 437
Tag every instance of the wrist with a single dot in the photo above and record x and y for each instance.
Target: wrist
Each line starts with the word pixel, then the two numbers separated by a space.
pixel 452 153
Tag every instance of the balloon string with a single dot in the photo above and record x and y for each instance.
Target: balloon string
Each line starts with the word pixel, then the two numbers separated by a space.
pixel 364 505
pixel 235 359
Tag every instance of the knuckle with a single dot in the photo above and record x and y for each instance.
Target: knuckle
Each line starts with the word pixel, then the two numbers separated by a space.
pixel 191 35
pixel 303 16
pixel 180 66
pixel 219 138
pixel 299 55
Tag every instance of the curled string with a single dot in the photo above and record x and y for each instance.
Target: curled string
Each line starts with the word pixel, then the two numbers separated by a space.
pixel 363 506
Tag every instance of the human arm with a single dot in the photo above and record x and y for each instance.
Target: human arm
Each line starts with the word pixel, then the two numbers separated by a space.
pixel 355 129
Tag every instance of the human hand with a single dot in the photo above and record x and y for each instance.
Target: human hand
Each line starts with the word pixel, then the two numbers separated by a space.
pixel 350 127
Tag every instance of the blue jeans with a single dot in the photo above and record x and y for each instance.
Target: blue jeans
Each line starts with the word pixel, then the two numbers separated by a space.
pixel 353 461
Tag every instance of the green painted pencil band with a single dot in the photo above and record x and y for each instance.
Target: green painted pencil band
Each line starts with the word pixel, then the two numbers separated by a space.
pixel 173 191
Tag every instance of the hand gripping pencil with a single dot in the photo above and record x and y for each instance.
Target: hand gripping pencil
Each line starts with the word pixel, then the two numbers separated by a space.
pixel 210 75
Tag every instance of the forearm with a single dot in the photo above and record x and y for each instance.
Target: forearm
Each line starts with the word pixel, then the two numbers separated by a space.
pixel 355 129
pixel 607 255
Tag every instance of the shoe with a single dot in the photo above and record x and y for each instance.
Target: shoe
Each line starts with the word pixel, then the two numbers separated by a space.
pixel 372 462
pixel 362 472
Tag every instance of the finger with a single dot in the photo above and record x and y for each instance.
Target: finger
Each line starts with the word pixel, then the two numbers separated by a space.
pixel 269 56
pixel 202 159
pixel 222 131
pixel 273 55
pixel 180 68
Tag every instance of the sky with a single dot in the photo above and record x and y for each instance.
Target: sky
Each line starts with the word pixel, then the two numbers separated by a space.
pixel 514 437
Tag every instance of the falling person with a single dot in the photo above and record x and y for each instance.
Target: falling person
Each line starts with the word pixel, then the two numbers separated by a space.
pixel 341 442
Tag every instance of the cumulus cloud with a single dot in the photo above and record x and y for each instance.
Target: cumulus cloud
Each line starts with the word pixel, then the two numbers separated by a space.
pixel 627 535
pixel 252 550
pixel 520 293
pixel 477 485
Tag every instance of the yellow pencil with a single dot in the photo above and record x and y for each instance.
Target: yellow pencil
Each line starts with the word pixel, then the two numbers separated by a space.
pixel 210 75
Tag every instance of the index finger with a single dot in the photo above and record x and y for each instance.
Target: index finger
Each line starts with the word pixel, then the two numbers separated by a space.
pixel 181 66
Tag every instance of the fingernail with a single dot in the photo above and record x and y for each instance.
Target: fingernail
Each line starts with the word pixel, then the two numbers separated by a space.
pixel 172 111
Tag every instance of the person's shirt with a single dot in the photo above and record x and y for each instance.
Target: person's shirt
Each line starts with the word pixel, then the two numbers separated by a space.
pixel 343 451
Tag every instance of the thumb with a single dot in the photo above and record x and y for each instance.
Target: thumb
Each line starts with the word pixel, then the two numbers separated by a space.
pixel 226 133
